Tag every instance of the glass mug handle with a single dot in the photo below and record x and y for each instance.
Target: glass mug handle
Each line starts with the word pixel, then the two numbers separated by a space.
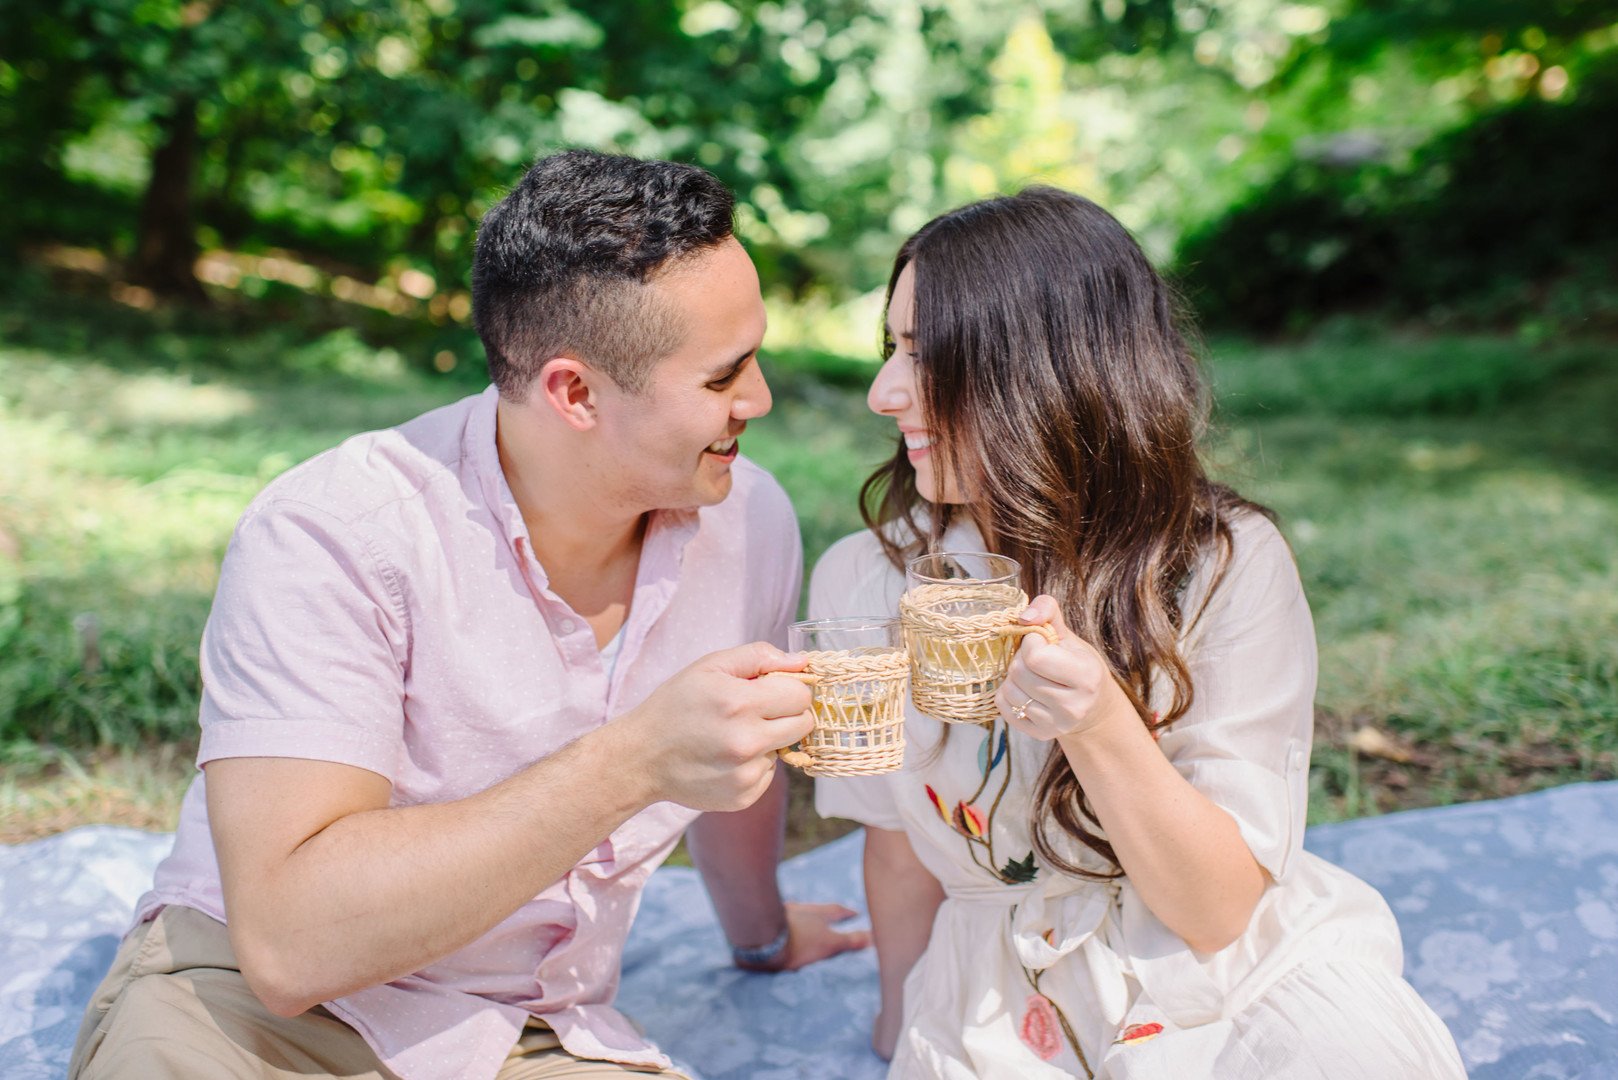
pixel 801 759
pixel 1020 631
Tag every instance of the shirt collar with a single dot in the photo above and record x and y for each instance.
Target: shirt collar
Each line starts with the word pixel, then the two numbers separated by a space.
pixel 482 453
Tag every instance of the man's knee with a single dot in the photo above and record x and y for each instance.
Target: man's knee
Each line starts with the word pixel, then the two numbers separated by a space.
pixel 207 1023
pixel 154 1030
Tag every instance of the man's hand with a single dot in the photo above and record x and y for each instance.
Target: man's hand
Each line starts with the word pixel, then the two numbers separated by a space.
pixel 811 936
pixel 709 734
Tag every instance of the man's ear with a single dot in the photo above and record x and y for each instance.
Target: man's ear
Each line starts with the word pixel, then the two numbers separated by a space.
pixel 569 387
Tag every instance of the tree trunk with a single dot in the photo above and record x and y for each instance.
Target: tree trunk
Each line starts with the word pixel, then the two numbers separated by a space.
pixel 166 244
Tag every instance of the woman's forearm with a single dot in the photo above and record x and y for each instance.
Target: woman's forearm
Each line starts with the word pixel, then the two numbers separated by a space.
pixel 1183 854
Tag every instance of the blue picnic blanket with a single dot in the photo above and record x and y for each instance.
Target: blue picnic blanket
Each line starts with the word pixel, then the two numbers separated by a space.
pixel 1509 911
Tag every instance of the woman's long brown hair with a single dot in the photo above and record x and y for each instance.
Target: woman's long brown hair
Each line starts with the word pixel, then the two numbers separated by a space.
pixel 1061 391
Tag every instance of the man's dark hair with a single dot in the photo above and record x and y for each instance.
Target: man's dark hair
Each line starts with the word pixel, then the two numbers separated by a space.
pixel 564 264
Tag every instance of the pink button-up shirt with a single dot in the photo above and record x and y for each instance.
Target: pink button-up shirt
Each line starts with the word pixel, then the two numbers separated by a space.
pixel 380 606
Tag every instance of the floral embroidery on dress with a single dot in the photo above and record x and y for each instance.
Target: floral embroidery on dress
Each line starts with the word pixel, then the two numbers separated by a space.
pixel 1138 1033
pixel 1039 1027
pixel 1044 1029
pixel 1019 871
pixel 975 825
pixel 970 820
pixel 985 761
pixel 1043 1024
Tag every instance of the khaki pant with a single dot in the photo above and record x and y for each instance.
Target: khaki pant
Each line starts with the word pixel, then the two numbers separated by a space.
pixel 175 1006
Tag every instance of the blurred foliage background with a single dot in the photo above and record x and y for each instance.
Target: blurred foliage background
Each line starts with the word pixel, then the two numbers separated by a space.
pixel 1441 159
pixel 241 231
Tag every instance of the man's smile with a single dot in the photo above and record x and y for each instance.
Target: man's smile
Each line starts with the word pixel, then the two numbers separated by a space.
pixel 723 449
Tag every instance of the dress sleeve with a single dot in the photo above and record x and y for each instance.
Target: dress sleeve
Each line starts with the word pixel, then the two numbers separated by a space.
pixel 304 651
pixel 1244 742
pixel 847 582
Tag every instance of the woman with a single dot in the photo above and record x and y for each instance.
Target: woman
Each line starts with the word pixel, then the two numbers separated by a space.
pixel 1109 881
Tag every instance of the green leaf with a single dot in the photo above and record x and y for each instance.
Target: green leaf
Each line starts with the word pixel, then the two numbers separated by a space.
pixel 1020 871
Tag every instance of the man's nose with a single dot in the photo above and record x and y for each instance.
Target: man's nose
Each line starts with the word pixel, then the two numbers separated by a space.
pixel 753 398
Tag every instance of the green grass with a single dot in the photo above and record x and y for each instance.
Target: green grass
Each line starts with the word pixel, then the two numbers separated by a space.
pixel 1452 502
pixel 1456 532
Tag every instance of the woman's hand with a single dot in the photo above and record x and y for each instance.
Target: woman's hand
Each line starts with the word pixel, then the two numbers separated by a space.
pixel 1065 689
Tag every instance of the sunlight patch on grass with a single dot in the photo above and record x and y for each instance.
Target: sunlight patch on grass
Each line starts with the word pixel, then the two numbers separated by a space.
pixel 160 400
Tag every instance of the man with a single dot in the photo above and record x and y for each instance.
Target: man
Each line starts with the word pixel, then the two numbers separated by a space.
pixel 461 687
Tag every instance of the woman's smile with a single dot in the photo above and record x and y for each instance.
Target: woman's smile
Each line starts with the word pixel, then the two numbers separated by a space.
pixel 918 444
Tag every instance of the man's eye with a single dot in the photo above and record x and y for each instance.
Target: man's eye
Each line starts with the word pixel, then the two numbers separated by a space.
pixel 735 373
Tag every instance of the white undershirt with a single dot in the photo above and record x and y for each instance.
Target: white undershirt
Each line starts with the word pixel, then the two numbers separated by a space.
pixel 609 653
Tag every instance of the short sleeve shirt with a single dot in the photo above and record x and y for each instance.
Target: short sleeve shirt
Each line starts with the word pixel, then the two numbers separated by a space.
pixel 380 606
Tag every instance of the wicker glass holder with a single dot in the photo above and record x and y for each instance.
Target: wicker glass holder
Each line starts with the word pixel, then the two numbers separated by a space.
pixel 858 671
pixel 959 618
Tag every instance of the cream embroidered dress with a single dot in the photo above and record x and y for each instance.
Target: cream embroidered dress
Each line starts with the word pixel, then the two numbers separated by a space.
pixel 1033 974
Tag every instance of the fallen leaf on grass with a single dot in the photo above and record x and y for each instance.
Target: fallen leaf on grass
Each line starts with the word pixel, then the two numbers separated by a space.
pixel 1374 742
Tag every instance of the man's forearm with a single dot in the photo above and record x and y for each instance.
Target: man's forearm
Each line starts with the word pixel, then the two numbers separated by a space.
pixel 381 893
pixel 737 854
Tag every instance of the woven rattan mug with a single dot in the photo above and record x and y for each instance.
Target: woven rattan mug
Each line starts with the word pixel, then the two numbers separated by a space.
pixel 858 670
pixel 959 617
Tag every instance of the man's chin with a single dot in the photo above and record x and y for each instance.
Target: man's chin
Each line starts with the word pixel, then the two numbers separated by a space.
pixel 713 485
pixel 710 492
pixel 717 491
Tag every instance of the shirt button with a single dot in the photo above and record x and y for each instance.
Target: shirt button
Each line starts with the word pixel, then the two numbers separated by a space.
pixel 567 626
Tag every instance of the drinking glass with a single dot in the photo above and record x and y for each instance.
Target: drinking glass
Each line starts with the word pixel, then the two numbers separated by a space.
pixel 859 670
pixel 959 618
